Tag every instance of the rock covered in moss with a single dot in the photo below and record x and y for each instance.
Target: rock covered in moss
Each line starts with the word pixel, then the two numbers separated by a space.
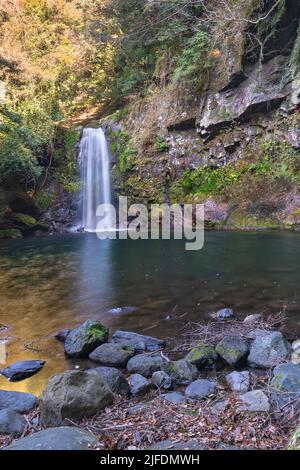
pixel 81 341
pixel 144 364
pixel 268 350
pixel 294 440
pixel 204 355
pixel 114 355
pixel 73 395
pixel 233 349
pixel 181 372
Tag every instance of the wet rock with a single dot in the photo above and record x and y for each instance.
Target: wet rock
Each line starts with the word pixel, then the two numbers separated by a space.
pixel 81 341
pixel 18 401
pixel 200 389
pixel 173 445
pixel 161 380
pixel 114 355
pixel 139 342
pixel 139 385
pixel 238 381
pixel 225 314
pixel 22 370
pixel 73 395
pixel 61 335
pixel 117 381
pixel 63 438
pixel 268 350
pixel 254 318
pixel 254 401
pixel 122 310
pixel 285 385
pixel 144 364
pixel 175 397
pixel 202 356
pixel 181 372
pixel 11 423
pixel 294 440
pixel 233 349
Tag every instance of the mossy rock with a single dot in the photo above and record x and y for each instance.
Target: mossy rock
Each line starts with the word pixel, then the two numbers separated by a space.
pixel 202 356
pixel 243 220
pixel 24 221
pixel 294 440
pixel 181 372
pixel 81 341
pixel 10 233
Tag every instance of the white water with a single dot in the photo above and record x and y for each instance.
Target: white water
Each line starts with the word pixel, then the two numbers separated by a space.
pixel 95 176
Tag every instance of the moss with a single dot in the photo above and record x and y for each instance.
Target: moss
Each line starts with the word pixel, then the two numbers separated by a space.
pixel 161 145
pixel 11 233
pixel 202 356
pixel 24 220
pixel 97 331
pixel 240 219
pixel 43 200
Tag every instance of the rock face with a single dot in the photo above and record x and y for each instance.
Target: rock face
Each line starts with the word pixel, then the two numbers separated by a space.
pixel 233 349
pixel 161 380
pixel 139 385
pixel 181 372
pixel 225 314
pixel 117 381
pixel 11 423
pixel 139 342
pixel 200 389
pixel 81 341
pixel 63 438
pixel 255 401
pixel 238 381
pixel 114 355
pixel 202 356
pixel 22 370
pixel 73 395
pixel 286 385
pixel 18 401
pixel 144 364
pixel 268 350
pixel 294 440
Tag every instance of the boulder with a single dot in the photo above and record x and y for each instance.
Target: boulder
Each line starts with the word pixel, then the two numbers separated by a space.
pixel 22 370
pixel 117 381
pixel 285 385
pixel 233 349
pixel 63 438
pixel 139 385
pixel 225 314
pixel 114 355
pixel 254 401
pixel 73 395
pixel 161 380
pixel 173 445
pixel 203 356
pixel 238 381
pixel 268 350
pixel 176 398
pixel 200 389
pixel 144 364
pixel 294 440
pixel 81 341
pixel 18 401
pixel 181 372
pixel 61 335
pixel 11 423
pixel 139 342
pixel 254 318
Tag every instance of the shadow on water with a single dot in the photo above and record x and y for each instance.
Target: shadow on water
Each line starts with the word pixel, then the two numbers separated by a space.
pixel 51 283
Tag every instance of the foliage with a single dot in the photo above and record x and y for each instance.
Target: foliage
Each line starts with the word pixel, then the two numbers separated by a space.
pixel 161 145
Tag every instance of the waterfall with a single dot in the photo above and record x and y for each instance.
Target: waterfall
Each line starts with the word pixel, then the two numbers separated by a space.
pixel 95 176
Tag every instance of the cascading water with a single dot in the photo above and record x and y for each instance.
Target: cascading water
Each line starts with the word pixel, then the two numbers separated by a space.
pixel 95 176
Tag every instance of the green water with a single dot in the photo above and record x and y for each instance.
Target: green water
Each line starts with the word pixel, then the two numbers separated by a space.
pixel 51 283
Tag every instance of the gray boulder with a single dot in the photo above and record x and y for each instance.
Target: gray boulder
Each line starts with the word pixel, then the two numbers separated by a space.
pixel 22 370
pixel 233 349
pixel 200 389
pixel 73 395
pixel 63 438
pixel 139 342
pixel 238 381
pixel 161 380
pixel 176 398
pixel 268 350
pixel 81 341
pixel 11 423
pixel 202 356
pixel 254 401
pixel 225 314
pixel 181 372
pixel 18 401
pixel 139 385
pixel 114 355
pixel 285 385
pixel 254 318
pixel 117 381
pixel 144 364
